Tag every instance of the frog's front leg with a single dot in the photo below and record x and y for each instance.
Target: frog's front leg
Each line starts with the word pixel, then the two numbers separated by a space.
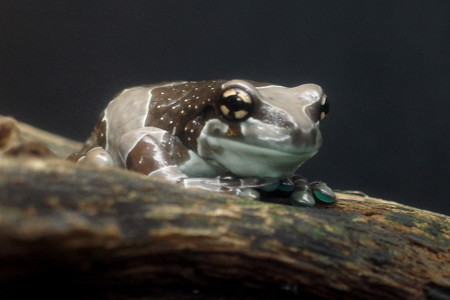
pixel 156 153
pixel 243 187
pixel 95 156
pixel 150 151
pixel 306 194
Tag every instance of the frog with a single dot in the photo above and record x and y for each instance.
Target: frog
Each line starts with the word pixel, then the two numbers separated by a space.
pixel 237 136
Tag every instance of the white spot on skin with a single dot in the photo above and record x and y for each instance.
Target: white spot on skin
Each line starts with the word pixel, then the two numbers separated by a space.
pixel 182 111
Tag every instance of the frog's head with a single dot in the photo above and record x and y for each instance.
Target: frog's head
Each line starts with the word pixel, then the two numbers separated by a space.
pixel 263 130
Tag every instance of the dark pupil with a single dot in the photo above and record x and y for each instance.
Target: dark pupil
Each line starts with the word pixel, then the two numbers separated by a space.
pixel 234 103
pixel 325 108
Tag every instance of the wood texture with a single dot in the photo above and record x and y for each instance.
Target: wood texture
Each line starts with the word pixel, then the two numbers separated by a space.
pixel 110 233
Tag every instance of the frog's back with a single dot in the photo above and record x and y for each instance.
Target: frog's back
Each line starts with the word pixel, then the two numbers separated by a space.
pixel 170 106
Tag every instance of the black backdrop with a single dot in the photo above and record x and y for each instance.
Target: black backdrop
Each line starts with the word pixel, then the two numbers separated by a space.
pixel 385 66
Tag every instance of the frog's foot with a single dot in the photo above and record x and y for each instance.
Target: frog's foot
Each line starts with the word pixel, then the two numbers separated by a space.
pixel 242 187
pixel 306 194
pixel 96 156
pixel 248 193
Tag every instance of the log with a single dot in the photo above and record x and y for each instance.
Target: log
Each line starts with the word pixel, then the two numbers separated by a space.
pixel 109 233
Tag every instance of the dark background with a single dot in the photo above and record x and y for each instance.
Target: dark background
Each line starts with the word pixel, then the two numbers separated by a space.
pixel 385 66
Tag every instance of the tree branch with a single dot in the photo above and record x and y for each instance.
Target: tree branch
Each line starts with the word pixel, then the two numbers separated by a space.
pixel 113 233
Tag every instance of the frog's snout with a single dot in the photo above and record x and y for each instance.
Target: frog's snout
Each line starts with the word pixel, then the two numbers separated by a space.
pixel 319 106
pixel 319 109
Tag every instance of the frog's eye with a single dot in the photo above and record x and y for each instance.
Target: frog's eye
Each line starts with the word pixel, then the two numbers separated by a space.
pixel 324 108
pixel 235 104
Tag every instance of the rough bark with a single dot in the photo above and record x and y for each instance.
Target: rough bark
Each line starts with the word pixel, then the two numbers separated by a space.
pixel 110 233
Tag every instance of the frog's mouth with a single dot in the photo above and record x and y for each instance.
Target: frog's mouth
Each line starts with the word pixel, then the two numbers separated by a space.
pixel 260 150
pixel 249 160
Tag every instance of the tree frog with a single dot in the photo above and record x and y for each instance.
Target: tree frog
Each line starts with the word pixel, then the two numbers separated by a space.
pixel 233 136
